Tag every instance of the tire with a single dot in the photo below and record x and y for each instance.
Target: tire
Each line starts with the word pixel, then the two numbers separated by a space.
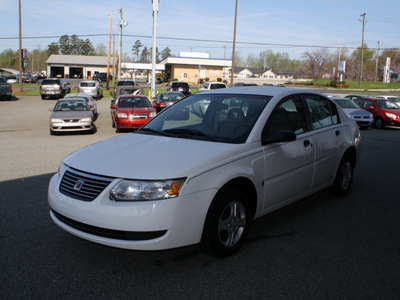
pixel 379 123
pixel 43 97
pixel 344 177
pixel 113 123
pixel 227 223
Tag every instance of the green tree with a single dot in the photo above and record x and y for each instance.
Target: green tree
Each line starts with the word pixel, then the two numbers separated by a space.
pixel 53 48
pixel 64 45
pixel 101 50
pixel 165 53
pixel 136 49
pixel 145 55
pixel 9 59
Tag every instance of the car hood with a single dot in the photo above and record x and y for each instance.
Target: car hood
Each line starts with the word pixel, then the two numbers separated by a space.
pixel 71 114
pixel 357 112
pixel 135 110
pixel 141 156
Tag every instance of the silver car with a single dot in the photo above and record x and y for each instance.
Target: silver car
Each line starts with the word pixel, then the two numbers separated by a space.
pixel 363 118
pixel 91 87
pixel 71 115
pixel 89 99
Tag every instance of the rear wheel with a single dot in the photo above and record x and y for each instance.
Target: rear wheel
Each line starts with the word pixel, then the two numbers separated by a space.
pixel 227 223
pixel 344 177
pixel 43 97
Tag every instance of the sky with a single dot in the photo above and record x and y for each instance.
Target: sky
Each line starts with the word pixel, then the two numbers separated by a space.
pixel 289 26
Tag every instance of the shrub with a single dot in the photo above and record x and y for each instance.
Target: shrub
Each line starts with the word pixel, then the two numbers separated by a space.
pixel 219 79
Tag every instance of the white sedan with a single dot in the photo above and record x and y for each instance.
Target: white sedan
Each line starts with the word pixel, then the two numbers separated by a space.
pixel 250 151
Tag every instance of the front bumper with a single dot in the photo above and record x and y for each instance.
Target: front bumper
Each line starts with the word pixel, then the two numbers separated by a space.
pixel 136 225
pixel 73 126
pixel 130 124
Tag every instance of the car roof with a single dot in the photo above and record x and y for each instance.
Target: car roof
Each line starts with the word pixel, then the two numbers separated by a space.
pixel 274 91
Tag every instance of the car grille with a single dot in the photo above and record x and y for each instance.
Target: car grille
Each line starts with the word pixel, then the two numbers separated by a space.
pixel 71 120
pixel 137 116
pixel 83 186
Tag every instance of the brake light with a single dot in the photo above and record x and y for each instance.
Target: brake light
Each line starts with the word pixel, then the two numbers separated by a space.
pixel 171 90
pixel 90 106
pixel 97 86
pixel 40 87
pixel 162 103
pixel 190 91
pixel 10 88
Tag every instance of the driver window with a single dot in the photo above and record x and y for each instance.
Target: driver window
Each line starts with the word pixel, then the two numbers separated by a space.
pixel 289 114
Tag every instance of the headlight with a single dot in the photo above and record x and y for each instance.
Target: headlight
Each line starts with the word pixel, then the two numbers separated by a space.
pixel 61 169
pixel 392 116
pixel 350 116
pixel 122 115
pixel 86 120
pixel 134 190
pixel 152 114
pixel 56 120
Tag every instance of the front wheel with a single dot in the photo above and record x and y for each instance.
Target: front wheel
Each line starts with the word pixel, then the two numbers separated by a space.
pixel 344 177
pixel 379 123
pixel 227 223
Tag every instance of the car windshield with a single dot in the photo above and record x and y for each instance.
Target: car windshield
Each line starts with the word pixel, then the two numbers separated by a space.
pixel 217 86
pixel 78 105
pixel 131 102
pixel 386 104
pixel 88 84
pixel 122 83
pixel 171 97
pixel 218 118
pixel 180 85
pixel 50 82
pixel 346 103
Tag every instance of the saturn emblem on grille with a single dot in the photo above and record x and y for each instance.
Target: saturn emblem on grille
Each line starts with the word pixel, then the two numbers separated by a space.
pixel 78 185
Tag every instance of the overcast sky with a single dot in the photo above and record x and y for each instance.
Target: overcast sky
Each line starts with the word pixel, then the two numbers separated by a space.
pixel 187 25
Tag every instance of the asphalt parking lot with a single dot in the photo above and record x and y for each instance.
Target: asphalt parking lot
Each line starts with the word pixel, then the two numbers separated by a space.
pixel 322 247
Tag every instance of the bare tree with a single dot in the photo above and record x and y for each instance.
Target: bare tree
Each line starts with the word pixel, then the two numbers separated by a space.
pixel 318 62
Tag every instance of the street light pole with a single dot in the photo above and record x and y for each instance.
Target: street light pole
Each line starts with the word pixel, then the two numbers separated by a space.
pixel 234 44
pixel 153 55
pixel 20 48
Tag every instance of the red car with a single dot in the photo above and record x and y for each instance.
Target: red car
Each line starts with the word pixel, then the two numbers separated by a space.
pixel 131 112
pixel 386 112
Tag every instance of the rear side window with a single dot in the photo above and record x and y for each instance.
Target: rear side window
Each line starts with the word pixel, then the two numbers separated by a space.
pixel 323 112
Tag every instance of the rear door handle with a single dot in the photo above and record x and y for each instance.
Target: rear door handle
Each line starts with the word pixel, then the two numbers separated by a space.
pixel 307 143
pixel 337 132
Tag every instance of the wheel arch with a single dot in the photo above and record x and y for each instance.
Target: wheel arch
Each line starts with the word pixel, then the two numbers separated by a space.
pixel 247 185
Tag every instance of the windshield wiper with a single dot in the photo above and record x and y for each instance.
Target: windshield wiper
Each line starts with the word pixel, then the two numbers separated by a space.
pixel 190 132
pixel 150 130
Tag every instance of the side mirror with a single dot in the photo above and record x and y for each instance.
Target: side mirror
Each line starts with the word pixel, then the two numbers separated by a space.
pixel 51 109
pixel 278 136
pixel 112 94
pixel 112 106
pixel 371 107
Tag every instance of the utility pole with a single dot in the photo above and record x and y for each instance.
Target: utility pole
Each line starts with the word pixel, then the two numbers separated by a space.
pixel 153 55
pixel 109 52
pixel 376 64
pixel 340 59
pixel 120 45
pixel 362 50
pixel 234 44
